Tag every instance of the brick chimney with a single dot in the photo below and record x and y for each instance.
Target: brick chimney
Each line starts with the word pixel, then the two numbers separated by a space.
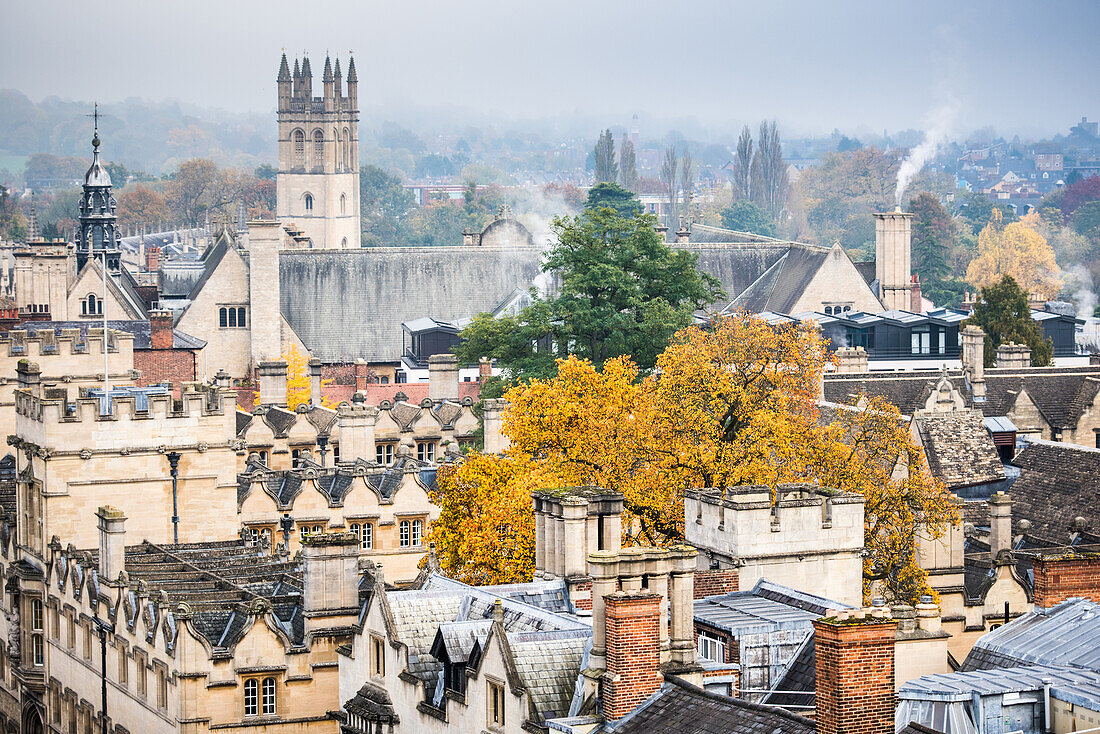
pixel 854 666
pixel 272 379
pixel 152 258
pixel 484 369
pixel 362 372
pixel 916 297
pixel 1062 577
pixel 632 633
pixel 161 333
pixel 112 543
pixel 443 377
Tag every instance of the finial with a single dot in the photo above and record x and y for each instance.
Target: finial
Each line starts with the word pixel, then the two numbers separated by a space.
pixel 95 124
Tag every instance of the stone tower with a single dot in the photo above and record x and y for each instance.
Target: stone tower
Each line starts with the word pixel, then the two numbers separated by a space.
pixel 98 232
pixel 318 180
pixel 893 268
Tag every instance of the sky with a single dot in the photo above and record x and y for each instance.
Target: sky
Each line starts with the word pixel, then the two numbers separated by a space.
pixel 1026 67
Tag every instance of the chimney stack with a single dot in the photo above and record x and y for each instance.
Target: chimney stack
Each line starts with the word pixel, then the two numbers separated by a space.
pixel 443 377
pixel 1064 576
pixel 851 360
pixel 632 632
pixel 272 379
pixel 854 670
pixel 972 340
pixel 492 410
pixel 917 298
pixel 112 543
pixel 315 382
pixel 152 258
pixel 356 422
pixel 892 259
pixel 1013 356
pixel 1000 524
pixel 330 574
pixel 484 369
pixel 161 332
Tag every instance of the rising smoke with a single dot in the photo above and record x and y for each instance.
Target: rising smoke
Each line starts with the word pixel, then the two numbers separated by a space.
pixel 937 125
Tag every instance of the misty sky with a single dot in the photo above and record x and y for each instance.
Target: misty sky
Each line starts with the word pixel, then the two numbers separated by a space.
pixel 1030 67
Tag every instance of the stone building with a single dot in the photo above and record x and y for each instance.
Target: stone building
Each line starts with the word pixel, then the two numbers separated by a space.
pixel 318 179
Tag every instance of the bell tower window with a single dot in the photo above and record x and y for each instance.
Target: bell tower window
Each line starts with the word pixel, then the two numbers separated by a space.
pixel 309 202
pixel 343 203
pixel 318 149
pixel 299 148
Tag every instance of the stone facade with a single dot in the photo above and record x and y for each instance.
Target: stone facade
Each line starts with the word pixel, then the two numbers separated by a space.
pixel 892 259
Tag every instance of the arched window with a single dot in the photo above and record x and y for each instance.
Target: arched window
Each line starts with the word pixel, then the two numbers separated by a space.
pixel 268 690
pixel 309 202
pixel 91 306
pixel 223 317
pixel 233 318
pixel 318 148
pixel 340 162
pixel 299 148
pixel 240 317
pixel 365 533
pixel 251 697
pixel 416 528
pixel 404 534
pixel 347 147
pixel 344 242
pixel 343 203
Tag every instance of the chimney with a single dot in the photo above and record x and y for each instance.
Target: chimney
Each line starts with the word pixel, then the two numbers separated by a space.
pixel 112 543
pixel 851 359
pixel 29 375
pixel 152 258
pixel 443 377
pixel 362 372
pixel 683 236
pixel 470 238
pixel 662 232
pixel 330 574
pixel 928 615
pixel 1013 356
pixel 892 259
pixel 1000 525
pixel 315 382
pixel 356 422
pixel 223 379
pixel 1065 576
pixel 161 332
pixel 681 600
pixel 484 369
pixel 631 632
pixel 492 410
pixel 272 379
pixel 917 298
pixel 854 670
pixel 972 340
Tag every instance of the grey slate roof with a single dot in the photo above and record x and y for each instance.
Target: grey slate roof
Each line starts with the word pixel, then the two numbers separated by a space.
pixel 1067 683
pixel 681 708
pixel 1064 635
pixel 1058 482
pixel 959 448
pixel 780 287
pixel 139 329
pixel 548 663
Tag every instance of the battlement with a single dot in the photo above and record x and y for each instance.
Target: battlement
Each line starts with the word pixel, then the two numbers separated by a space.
pixel 48 343
pixel 53 410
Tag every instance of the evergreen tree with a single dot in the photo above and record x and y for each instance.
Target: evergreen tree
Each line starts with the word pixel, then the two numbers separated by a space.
pixel 607 170
pixel 933 238
pixel 614 196
pixel 1004 315
pixel 744 216
pixel 742 166
pixel 628 166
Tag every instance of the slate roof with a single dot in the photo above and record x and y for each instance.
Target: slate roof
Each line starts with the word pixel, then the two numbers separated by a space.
pixel 549 595
pixel 1064 635
pixel 333 482
pixel 373 703
pixel 796 685
pixel 1079 684
pixel 548 663
pixel 1058 483
pixel 139 329
pixel 779 288
pixel 681 708
pixel 960 450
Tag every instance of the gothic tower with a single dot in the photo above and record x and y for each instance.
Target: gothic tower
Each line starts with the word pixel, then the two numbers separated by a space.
pixel 98 232
pixel 318 181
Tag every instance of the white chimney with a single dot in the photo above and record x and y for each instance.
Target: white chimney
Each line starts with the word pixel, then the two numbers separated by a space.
pixel 893 267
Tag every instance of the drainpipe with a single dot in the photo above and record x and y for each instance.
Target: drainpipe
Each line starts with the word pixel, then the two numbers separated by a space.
pixel 103 628
pixel 1046 704
pixel 174 466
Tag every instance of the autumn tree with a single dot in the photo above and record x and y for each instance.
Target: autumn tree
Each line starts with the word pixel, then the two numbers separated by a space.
pixel 607 170
pixel 139 204
pixel 1004 314
pixel 1017 250
pixel 628 166
pixel 299 388
pixel 198 188
pixel 742 165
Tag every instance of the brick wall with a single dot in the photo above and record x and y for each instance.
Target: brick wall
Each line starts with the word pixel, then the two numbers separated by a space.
pixel 632 620
pixel 855 676
pixel 1058 579
pixel 715 581
pixel 581 594
pixel 165 365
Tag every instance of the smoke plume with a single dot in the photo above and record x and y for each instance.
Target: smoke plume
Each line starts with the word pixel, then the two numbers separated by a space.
pixel 937 125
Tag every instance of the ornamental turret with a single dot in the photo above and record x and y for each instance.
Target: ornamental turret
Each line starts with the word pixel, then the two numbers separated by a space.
pixel 329 82
pixel 285 83
pixel 98 231
pixel 353 86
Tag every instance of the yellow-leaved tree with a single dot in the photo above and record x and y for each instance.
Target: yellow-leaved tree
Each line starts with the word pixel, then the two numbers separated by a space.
pixel 729 405
pixel 299 387
pixel 1018 250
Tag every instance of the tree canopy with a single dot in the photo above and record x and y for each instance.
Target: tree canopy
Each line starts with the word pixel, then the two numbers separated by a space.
pixel 1004 315
pixel 614 196
pixel 730 405
pixel 1017 250
pixel 744 216
pixel 607 170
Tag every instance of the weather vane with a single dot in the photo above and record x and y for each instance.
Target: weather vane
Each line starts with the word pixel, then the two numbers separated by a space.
pixel 95 123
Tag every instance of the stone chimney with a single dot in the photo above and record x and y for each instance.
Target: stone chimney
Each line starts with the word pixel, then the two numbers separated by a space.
pixel 662 232
pixel 272 379
pixel 470 238
pixel 161 332
pixel 223 379
pixel 29 375
pixel 315 382
pixel 1061 577
pixel 330 575
pixel 683 236
pixel 484 369
pixel 916 297
pixel 972 342
pixel 572 522
pixel 854 670
pixel 1000 524
pixel 356 422
pixel 443 377
pixel 112 543
pixel 851 359
pixel 1013 356
pixel 492 410
pixel 632 620
pixel 892 259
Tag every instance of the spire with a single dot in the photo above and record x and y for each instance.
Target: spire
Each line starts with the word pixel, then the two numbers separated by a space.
pixel 33 226
pixel 99 234
pixel 327 76
pixel 284 70
pixel 351 71
pixel 306 70
pixel 297 73
pixel 336 71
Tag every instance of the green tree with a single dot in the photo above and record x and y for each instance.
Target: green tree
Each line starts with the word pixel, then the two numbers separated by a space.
pixel 742 165
pixel 383 205
pixel 1003 314
pixel 607 170
pixel 744 216
pixel 266 172
pixel 621 291
pixel 1086 220
pixel 614 196
pixel 977 209
pixel 769 171
pixel 933 238
pixel 628 166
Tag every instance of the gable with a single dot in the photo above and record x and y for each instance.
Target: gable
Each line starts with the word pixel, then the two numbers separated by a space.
pixel 90 282
pixel 836 279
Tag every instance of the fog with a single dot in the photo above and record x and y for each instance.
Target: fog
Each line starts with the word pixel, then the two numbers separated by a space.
pixel 698 65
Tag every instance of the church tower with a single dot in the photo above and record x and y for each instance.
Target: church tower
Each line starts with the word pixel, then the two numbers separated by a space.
pixel 98 232
pixel 318 180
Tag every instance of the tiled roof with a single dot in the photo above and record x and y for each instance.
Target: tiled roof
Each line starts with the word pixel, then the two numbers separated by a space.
pixel 1057 484
pixel 681 708
pixel 415 392
pixel 548 663
pixel 959 448
pixel 373 703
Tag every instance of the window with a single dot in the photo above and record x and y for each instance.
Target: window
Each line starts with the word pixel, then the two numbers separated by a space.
pixel 263 456
pixel 142 681
pixel 318 149
pixel 343 205
pixel 268 702
pixel 294 454
pixel 712 648
pixel 223 317
pixel 365 533
pixel 922 343
pixel 71 620
pixel 38 637
pixel 496 704
pixel 404 533
pixel 383 453
pixel 335 453
pixel 425 450
pixel 91 306
pixel 55 624
pixel 240 317
pixel 309 202
pixel 377 656
pixel 162 688
pixel 88 641
pixel 232 317
pixel 416 527
pixel 123 667
pixel 303 531
pixel 299 148
pixel 251 697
